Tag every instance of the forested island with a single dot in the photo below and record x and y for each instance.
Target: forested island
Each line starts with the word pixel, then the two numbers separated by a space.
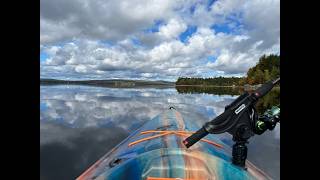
pixel 266 69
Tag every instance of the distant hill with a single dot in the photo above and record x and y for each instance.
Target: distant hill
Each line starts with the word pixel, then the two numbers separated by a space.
pixel 119 83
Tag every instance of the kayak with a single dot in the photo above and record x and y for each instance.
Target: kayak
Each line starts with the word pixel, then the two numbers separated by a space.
pixel 156 152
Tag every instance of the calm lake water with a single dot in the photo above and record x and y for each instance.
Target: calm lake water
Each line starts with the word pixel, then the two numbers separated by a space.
pixel 79 124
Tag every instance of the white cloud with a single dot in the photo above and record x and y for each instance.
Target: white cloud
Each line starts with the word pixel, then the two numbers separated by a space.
pixel 97 19
pixel 74 37
pixel 81 68
pixel 172 29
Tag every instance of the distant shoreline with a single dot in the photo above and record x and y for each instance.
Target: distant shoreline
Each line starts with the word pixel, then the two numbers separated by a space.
pixel 121 83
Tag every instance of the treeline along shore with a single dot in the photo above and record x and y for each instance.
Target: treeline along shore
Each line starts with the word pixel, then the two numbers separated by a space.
pixel 267 68
pixel 217 81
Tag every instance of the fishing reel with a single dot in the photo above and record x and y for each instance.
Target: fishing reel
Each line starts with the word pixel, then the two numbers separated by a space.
pixel 241 120
pixel 268 120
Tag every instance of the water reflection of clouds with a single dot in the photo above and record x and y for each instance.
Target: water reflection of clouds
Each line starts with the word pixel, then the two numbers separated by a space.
pixel 86 106
pixel 78 118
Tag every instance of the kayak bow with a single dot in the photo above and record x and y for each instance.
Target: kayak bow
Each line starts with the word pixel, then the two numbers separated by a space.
pixel 156 152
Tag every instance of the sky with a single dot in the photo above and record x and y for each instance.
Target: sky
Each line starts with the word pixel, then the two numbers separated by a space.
pixel 155 39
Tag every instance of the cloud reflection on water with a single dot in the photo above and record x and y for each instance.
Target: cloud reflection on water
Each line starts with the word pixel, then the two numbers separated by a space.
pixel 78 124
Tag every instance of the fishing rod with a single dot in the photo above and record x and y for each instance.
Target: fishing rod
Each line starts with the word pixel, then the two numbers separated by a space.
pixel 241 121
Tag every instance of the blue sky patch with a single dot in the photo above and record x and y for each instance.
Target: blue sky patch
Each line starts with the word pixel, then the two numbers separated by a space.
pixel 224 28
pixel 211 58
pixel 43 56
pixel 207 4
pixel 136 42
pixel 231 25
pixel 155 27
pixel 210 2
pixel 43 106
pixel 188 33
pixel 107 43
pixel 192 8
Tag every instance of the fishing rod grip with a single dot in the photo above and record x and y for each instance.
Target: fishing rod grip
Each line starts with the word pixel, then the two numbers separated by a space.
pixel 195 137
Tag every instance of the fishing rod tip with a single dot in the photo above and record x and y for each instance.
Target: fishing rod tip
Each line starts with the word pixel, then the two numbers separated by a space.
pixel 276 80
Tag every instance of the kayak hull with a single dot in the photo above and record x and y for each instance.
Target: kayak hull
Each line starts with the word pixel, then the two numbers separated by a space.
pixel 156 151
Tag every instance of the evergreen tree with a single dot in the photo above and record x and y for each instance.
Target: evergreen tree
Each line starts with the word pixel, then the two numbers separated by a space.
pixel 267 76
pixel 275 72
pixel 259 77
